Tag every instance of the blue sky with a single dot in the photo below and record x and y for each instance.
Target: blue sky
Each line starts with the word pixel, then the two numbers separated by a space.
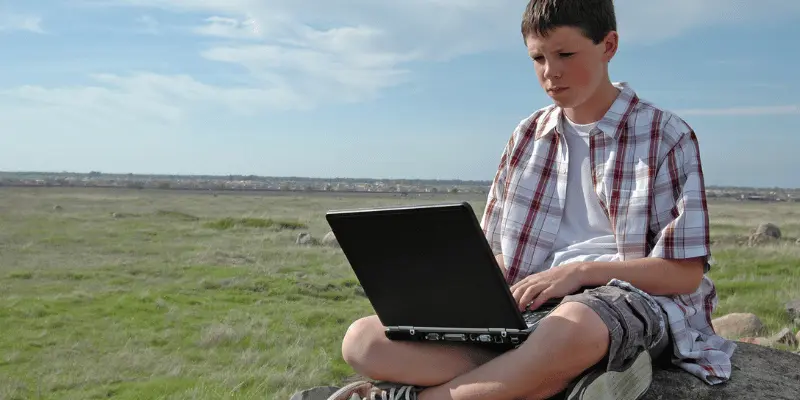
pixel 363 88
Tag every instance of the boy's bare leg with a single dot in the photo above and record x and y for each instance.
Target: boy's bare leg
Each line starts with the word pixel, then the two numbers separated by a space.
pixel 367 350
pixel 566 343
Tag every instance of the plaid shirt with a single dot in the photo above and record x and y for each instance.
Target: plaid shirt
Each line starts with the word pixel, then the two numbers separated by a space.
pixel 647 175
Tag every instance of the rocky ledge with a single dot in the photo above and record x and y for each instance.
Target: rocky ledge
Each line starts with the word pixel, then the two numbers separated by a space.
pixel 759 372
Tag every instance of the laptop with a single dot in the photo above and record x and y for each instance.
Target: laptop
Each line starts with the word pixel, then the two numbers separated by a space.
pixel 430 275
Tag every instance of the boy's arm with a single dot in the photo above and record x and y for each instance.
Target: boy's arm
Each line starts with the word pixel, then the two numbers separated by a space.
pixel 679 218
pixel 493 212
pixel 657 276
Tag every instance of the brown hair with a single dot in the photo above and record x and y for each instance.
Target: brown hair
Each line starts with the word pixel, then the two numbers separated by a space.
pixel 596 18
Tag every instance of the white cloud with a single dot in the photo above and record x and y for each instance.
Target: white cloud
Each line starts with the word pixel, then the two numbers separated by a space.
pixel 162 99
pixel 18 22
pixel 229 28
pixel 791 109
pixel 300 55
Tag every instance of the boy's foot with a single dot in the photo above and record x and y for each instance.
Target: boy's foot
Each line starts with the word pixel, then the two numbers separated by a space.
pixel 629 384
pixel 365 390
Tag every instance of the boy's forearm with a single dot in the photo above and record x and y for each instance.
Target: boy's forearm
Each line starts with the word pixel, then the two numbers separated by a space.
pixel 656 276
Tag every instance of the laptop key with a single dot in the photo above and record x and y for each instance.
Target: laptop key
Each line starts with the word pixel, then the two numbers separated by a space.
pixel 532 317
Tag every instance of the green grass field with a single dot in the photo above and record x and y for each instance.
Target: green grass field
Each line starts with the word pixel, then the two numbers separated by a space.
pixel 168 295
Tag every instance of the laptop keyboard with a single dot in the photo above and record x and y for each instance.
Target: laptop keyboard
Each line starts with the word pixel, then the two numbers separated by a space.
pixel 532 317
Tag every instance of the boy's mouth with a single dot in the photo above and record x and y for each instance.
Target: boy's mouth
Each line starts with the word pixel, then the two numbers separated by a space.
pixel 556 89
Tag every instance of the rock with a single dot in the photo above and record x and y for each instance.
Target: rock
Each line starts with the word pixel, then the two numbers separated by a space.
pixel 57 208
pixel 797 337
pixel 760 238
pixel 769 229
pixel 736 325
pixel 765 233
pixel 793 309
pixel 758 373
pixel 330 240
pixel 305 239
pixel 785 336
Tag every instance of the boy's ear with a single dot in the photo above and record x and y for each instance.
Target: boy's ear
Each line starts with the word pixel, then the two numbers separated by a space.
pixel 610 45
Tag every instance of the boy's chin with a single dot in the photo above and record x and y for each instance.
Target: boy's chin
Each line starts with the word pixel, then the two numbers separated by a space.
pixel 563 103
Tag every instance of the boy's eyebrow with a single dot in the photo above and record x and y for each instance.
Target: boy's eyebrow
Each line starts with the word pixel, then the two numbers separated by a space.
pixel 556 50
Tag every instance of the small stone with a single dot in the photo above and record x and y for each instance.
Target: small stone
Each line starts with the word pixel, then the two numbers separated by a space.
pixel 793 309
pixel 784 337
pixel 737 325
pixel 330 240
pixel 305 239
pixel 769 229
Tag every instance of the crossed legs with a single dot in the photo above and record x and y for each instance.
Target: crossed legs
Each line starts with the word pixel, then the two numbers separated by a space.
pixel 566 343
pixel 605 327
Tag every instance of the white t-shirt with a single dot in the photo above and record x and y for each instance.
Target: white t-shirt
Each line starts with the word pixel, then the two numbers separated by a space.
pixel 585 233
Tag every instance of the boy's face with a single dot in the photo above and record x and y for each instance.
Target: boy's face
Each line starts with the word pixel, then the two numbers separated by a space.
pixel 570 67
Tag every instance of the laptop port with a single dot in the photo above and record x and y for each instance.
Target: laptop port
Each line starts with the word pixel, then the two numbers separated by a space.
pixel 514 339
pixel 455 337
pixel 432 336
pixel 485 338
pixel 498 339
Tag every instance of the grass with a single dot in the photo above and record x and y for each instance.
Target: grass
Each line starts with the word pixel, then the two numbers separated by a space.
pixel 230 223
pixel 169 295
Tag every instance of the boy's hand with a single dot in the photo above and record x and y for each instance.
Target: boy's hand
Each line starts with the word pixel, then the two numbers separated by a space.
pixel 538 288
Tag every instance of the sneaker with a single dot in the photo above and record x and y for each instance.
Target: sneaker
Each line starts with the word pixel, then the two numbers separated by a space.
pixel 629 384
pixel 315 393
pixel 364 390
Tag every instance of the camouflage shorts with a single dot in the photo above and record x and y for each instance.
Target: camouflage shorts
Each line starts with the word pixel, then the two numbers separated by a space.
pixel 635 322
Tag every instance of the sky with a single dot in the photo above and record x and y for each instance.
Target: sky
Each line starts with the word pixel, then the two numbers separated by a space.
pixel 425 89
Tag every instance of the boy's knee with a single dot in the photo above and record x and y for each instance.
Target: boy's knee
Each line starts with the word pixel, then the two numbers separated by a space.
pixel 584 327
pixel 631 324
pixel 360 341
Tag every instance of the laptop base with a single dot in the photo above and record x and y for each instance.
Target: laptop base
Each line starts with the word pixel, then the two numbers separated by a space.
pixel 500 338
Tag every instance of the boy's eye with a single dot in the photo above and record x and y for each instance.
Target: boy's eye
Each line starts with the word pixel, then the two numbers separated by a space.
pixel 538 58
pixel 566 55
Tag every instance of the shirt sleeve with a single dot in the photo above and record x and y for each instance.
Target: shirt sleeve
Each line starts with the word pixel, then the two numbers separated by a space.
pixel 493 212
pixel 679 217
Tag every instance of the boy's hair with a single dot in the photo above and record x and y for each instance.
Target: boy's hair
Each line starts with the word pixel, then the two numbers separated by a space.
pixel 596 18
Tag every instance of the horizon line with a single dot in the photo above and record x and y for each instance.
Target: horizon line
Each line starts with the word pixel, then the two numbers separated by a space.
pixel 472 181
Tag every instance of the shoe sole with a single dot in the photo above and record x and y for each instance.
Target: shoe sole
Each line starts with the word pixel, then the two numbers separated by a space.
pixel 349 390
pixel 630 384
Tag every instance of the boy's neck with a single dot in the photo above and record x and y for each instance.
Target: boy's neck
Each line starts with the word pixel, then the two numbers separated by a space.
pixel 596 106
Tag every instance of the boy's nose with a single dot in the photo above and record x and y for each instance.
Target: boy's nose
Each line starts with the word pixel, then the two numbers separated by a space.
pixel 552 71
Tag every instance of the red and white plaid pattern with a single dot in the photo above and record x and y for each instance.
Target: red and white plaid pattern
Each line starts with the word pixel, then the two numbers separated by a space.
pixel 648 178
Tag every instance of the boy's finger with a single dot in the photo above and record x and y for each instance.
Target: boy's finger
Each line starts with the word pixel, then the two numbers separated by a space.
pixel 529 295
pixel 542 298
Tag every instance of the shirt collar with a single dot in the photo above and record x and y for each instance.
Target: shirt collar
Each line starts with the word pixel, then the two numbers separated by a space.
pixel 611 122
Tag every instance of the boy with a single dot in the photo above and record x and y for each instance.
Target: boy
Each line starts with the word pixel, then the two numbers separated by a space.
pixel 601 189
